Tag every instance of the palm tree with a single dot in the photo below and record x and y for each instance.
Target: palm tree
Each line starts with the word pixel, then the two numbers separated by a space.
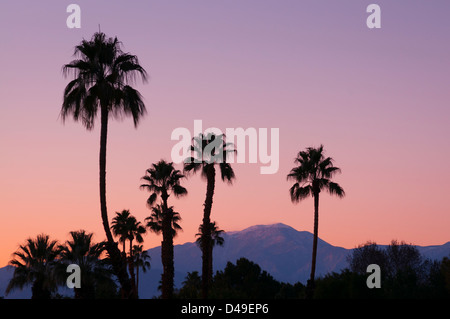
pixel 119 227
pixel 126 227
pixel 163 180
pixel 136 230
pixel 216 239
pixel 81 250
pixel 34 264
pixel 208 151
pixel 156 219
pixel 102 74
pixel 190 288
pixel 155 223
pixel 311 176
pixel 141 260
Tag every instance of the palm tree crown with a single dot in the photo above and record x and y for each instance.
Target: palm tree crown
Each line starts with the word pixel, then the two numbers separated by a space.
pixel 163 180
pixel 82 251
pixel 209 150
pixel 126 227
pixel 34 264
pixel 216 235
pixel 102 72
pixel 155 220
pixel 313 174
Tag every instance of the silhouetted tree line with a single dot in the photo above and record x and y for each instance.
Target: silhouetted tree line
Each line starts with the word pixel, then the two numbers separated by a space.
pixel 42 263
pixel 243 280
pixel 405 274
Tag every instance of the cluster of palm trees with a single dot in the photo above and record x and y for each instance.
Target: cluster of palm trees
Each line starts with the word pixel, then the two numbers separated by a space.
pixel 42 263
pixel 103 75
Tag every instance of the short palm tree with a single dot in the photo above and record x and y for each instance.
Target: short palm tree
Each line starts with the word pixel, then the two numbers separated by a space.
pixel 126 227
pixel 311 176
pixel 163 180
pixel 216 239
pixel 82 251
pixel 136 230
pixel 34 264
pixel 209 150
pixel 102 77
pixel 119 226
pixel 141 260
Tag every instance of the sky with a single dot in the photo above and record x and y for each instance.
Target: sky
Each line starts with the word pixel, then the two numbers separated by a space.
pixel 377 99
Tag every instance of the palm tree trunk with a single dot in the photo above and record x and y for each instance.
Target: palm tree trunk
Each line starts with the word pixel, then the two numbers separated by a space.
pixel 119 266
pixel 167 252
pixel 310 290
pixel 137 277
pixel 38 291
pixel 103 143
pixel 206 243
pixel 210 261
pixel 131 270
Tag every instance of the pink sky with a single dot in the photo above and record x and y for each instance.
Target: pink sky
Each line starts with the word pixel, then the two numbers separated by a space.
pixel 377 99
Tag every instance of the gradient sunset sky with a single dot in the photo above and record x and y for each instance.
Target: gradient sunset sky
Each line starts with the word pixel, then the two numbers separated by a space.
pixel 377 99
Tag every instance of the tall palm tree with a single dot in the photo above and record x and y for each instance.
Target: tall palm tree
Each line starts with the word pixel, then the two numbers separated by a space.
pixel 34 264
pixel 141 260
pixel 216 240
pixel 311 176
pixel 102 74
pixel 209 150
pixel 82 251
pixel 163 180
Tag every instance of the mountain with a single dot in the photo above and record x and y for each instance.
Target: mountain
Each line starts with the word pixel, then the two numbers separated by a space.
pixel 282 251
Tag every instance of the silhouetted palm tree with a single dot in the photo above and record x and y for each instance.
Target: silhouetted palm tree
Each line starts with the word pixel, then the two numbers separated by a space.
pixel 34 264
pixel 141 260
pixel 216 239
pixel 156 219
pixel 102 73
pixel 136 230
pixel 311 176
pixel 120 227
pixel 82 251
pixel 126 227
pixel 163 180
pixel 191 286
pixel 155 223
pixel 208 151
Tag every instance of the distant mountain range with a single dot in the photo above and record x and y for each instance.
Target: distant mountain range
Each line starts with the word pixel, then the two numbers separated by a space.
pixel 282 251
